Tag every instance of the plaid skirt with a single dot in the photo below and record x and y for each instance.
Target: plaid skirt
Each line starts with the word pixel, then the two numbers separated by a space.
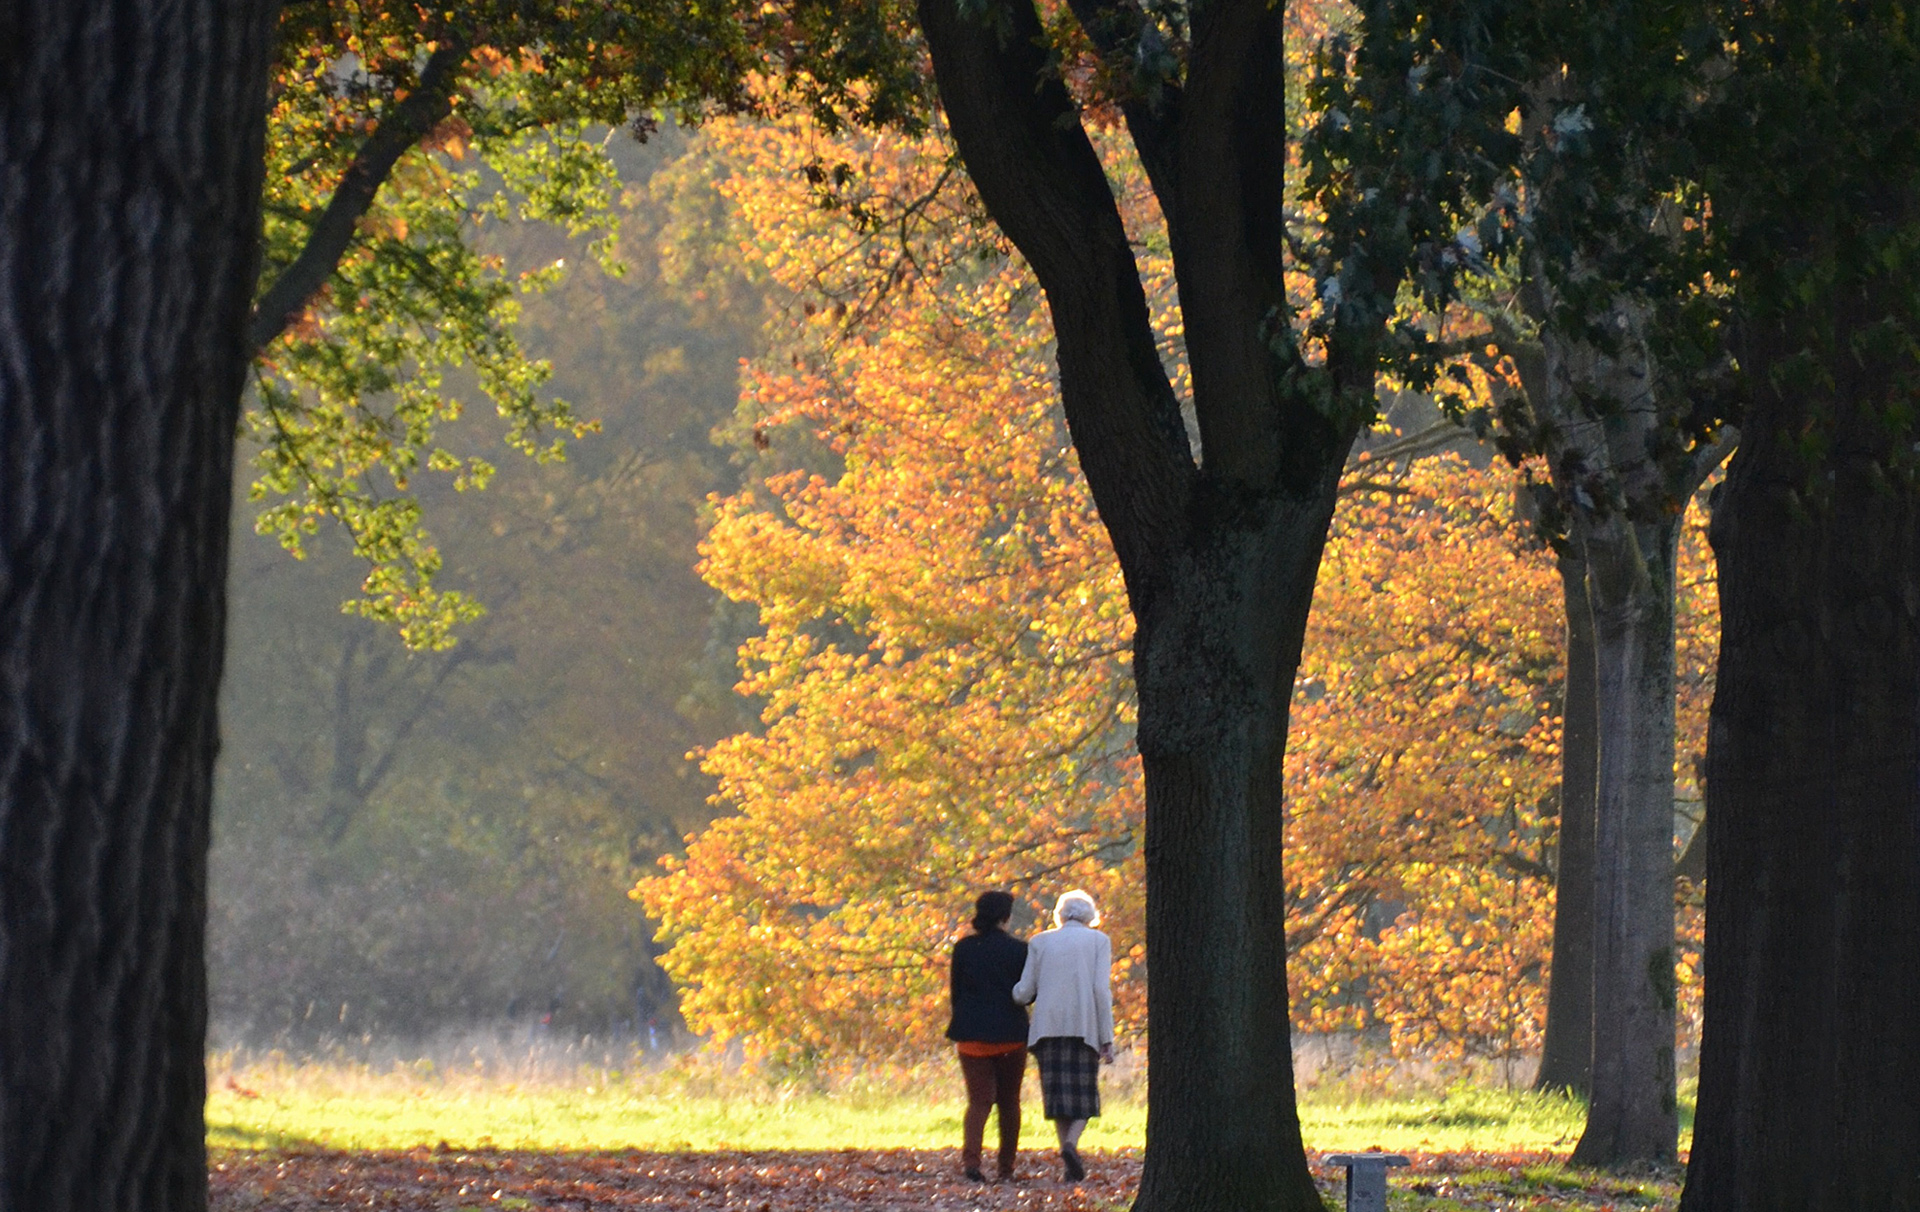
pixel 1069 1077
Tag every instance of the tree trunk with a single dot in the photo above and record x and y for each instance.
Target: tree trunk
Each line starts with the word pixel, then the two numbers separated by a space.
pixel 1566 1056
pixel 131 149
pixel 1219 558
pixel 1216 663
pixel 1631 1114
pixel 1810 1059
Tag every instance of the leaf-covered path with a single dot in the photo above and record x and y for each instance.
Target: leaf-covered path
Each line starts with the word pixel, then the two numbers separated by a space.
pixel 865 1180
pixel 885 1180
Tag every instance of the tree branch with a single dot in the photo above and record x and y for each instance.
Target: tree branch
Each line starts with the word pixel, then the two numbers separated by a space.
pixel 1020 136
pixel 1437 436
pixel 1125 38
pixel 1520 864
pixel 1263 416
pixel 405 124
pixel 1707 459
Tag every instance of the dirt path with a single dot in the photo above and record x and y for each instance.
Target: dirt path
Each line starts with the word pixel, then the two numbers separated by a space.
pixel 866 1181
pixel 900 1180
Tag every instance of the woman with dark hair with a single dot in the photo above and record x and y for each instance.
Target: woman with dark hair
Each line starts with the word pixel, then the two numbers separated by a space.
pixel 1068 981
pixel 989 1030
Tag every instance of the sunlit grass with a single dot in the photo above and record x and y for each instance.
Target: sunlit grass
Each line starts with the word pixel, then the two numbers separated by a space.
pixel 690 1106
pixel 701 1103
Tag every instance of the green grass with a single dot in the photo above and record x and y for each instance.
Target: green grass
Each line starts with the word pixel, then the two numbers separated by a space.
pixel 547 1118
pixel 699 1104
pixel 1462 1119
pixel 396 1111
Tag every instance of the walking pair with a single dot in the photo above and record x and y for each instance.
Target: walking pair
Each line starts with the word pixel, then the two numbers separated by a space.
pixel 1064 974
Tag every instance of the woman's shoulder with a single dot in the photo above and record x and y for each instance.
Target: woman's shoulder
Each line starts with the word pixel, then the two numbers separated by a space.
pixel 1076 934
pixel 990 941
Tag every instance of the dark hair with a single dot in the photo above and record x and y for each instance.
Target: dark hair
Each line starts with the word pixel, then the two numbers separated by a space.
pixel 991 910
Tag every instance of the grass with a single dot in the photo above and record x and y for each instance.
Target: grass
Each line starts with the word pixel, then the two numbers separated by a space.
pixel 698 1104
pixel 703 1103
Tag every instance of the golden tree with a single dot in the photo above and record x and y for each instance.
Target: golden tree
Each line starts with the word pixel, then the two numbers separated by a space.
pixel 944 662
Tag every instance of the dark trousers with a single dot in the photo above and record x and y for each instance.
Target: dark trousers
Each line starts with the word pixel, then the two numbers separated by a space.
pixel 992 1081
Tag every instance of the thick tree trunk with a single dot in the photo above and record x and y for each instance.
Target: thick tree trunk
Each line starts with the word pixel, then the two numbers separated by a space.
pixel 1631 1114
pixel 1810 1061
pixel 1219 559
pixel 1216 661
pixel 130 154
pixel 1566 1055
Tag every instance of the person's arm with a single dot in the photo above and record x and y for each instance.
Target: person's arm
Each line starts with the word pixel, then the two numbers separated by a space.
pixel 1103 996
pixel 1028 986
pixel 953 991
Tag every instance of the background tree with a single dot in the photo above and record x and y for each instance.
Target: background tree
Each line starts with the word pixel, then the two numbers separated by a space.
pixel 431 174
pixel 883 566
pixel 942 666
pixel 1421 769
pixel 132 141
pixel 505 791
pixel 1587 218
pixel 396 134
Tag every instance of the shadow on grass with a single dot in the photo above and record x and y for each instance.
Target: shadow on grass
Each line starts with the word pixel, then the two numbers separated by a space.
pixel 229 1137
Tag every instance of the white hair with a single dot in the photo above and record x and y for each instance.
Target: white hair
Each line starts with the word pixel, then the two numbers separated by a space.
pixel 1076 906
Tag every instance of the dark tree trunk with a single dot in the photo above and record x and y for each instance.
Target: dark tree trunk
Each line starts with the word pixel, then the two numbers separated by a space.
pixel 1566 1055
pixel 1631 1115
pixel 1810 1059
pixel 130 154
pixel 1215 660
pixel 1219 559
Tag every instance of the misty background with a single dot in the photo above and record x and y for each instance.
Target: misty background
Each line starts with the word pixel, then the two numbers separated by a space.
pixel 408 844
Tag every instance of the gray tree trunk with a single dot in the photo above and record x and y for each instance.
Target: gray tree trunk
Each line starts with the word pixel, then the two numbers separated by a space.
pixel 1566 1054
pixel 130 159
pixel 1596 417
pixel 1631 1112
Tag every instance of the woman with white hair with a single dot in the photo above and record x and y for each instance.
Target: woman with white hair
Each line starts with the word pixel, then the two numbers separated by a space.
pixel 1067 980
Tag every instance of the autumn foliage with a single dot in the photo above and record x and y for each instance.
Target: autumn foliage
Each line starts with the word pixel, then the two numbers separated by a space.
pixel 1422 775
pixel 943 667
pixel 944 660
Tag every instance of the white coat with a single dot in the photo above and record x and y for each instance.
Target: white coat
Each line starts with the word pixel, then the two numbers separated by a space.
pixel 1068 981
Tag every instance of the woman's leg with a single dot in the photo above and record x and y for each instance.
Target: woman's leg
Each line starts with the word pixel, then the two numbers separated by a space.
pixel 978 1072
pixel 1069 1131
pixel 1009 1071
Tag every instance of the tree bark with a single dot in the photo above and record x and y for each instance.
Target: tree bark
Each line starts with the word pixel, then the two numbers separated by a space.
pixel 1566 1055
pixel 1810 1058
pixel 130 151
pixel 1215 661
pixel 1595 414
pixel 1631 1113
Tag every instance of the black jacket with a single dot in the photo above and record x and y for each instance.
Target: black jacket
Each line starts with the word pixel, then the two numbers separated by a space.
pixel 985 969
